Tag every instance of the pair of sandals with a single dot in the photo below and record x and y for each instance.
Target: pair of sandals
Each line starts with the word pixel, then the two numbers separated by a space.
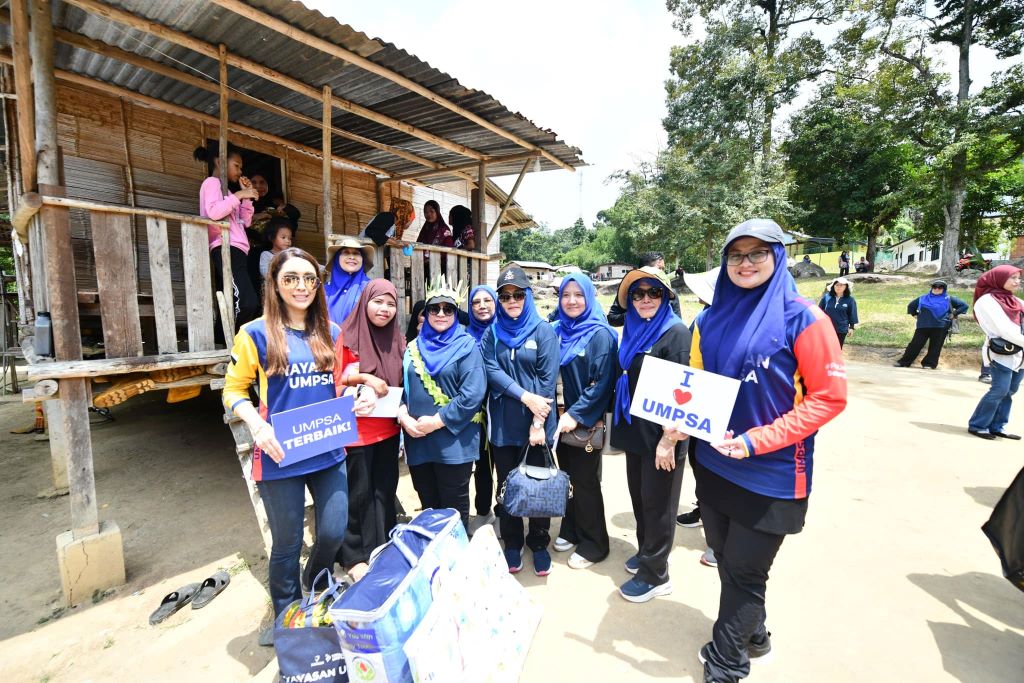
pixel 199 594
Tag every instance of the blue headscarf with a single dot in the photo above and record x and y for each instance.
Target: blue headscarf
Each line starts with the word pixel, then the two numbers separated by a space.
pixel 937 304
pixel 477 328
pixel 513 333
pixel 638 335
pixel 575 333
pixel 343 290
pixel 744 327
pixel 440 349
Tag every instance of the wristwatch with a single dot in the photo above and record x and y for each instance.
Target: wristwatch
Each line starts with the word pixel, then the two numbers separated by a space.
pixel 537 425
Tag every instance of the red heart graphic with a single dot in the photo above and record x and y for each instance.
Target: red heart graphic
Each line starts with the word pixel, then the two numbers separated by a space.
pixel 682 396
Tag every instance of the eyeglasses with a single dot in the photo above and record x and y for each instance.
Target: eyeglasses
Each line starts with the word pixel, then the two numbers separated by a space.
pixel 518 295
pixel 441 309
pixel 759 256
pixel 654 293
pixel 292 281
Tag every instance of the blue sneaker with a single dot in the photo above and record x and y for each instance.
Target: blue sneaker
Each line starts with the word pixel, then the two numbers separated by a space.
pixel 633 564
pixel 541 562
pixel 514 557
pixel 636 590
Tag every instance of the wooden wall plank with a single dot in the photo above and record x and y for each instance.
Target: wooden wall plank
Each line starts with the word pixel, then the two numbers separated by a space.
pixel 398 278
pixel 195 253
pixel 116 285
pixel 435 265
pixel 417 284
pixel 378 264
pixel 160 279
pixel 452 269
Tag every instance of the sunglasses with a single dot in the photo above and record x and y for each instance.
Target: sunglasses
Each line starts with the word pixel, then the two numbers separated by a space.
pixel 759 256
pixel 517 295
pixel 292 281
pixel 441 309
pixel 653 293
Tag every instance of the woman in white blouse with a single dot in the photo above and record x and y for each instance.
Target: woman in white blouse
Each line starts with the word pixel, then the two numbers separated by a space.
pixel 1001 315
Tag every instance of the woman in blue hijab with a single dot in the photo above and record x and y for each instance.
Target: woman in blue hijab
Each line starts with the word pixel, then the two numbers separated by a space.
pixel 588 346
pixel 444 391
pixel 935 312
pixel 753 481
pixel 483 301
pixel 654 463
pixel 348 263
pixel 521 356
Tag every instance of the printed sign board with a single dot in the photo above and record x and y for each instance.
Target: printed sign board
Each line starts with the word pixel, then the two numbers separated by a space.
pixel 699 403
pixel 314 429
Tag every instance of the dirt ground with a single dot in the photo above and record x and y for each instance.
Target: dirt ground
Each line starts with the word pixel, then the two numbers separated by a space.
pixel 891 580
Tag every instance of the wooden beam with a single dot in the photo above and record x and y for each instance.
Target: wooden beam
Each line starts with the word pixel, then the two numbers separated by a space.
pixel 28 206
pixel 227 281
pixel 325 173
pixel 306 38
pixel 154 103
pixel 50 200
pixel 480 203
pixel 463 167
pixel 23 88
pixel 508 202
pixel 121 366
pixel 159 30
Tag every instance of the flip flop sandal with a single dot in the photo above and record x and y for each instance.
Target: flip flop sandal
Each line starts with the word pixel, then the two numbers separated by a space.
pixel 173 602
pixel 210 589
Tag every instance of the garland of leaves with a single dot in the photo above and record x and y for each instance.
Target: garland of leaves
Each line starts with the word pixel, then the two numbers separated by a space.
pixel 429 384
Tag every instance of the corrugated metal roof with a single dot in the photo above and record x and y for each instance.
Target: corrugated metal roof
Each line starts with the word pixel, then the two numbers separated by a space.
pixel 249 39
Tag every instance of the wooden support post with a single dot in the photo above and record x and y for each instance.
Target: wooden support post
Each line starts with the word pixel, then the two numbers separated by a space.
pixel 326 172
pixel 23 89
pixel 227 279
pixel 508 202
pixel 479 196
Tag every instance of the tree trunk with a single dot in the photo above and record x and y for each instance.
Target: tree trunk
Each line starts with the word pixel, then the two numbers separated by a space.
pixel 771 42
pixel 872 246
pixel 953 211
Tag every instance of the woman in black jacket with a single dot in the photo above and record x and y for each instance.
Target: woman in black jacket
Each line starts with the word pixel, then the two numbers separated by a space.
pixel 841 308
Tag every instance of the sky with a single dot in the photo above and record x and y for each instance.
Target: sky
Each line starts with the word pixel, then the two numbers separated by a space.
pixel 593 71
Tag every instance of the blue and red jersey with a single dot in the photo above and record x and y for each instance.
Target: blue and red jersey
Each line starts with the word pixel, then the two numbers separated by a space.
pixel 301 385
pixel 782 403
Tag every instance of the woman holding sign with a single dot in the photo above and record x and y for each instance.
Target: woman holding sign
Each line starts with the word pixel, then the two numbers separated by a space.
pixel 587 359
pixel 754 483
pixel 440 410
pixel 654 457
pixel 372 355
pixel 290 351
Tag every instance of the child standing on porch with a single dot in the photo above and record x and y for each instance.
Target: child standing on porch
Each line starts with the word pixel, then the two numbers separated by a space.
pixel 278 233
pixel 236 207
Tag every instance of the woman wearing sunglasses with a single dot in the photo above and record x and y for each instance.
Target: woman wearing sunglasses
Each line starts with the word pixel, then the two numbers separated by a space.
pixel 754 483
pixel 440 411
pixel 521 356
pixel 654 460
pixel 372 355
pixel 290 351
pixel 587 366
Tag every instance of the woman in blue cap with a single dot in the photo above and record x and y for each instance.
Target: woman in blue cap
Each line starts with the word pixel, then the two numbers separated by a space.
pixel 521 356
pixel 754 483
pixel 654 460
pixel 483 301
pixel 587 351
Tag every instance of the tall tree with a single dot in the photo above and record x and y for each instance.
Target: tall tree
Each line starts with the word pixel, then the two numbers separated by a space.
pixel 951 125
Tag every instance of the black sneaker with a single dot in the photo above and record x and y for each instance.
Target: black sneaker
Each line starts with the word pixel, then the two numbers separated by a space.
pixel 760 649
pixel 689 519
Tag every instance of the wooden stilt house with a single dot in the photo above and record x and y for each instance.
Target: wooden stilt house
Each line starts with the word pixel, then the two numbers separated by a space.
pixel 104 102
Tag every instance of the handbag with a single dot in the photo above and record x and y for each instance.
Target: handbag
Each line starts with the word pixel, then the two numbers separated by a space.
pixel 1005 529
pixel 305 639
pixel 1002 347
pixel 589 439
pixel 536 491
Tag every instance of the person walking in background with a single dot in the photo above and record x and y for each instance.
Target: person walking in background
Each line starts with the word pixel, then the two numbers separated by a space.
pixel 372 355
pixel 754 483
pixel 844 264
pixel 588 347
pixel 1001 316
pixel 483 301
pixel 934 312
pixel 654 458
pixel 521 356
pixel 841 308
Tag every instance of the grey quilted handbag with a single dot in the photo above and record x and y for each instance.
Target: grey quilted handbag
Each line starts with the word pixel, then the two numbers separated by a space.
pixel 534 491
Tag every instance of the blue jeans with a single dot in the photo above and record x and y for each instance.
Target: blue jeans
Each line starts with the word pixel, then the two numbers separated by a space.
pixel 993 411
pixel 285 502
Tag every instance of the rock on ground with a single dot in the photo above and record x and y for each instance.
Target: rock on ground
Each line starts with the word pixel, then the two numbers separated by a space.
pixel 805 269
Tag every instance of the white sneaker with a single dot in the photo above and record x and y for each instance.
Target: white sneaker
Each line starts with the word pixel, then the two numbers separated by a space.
pixel 577 561
pixel 561 545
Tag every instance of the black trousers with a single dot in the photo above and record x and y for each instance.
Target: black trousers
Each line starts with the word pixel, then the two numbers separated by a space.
pixel 483 478
pixel 443 486
pixel 505 459
pixel 744 558
pixel 842 338
pixel 655 497
pixel 372 486
pixel 247 301
pixel 584 523
pixel 935 336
